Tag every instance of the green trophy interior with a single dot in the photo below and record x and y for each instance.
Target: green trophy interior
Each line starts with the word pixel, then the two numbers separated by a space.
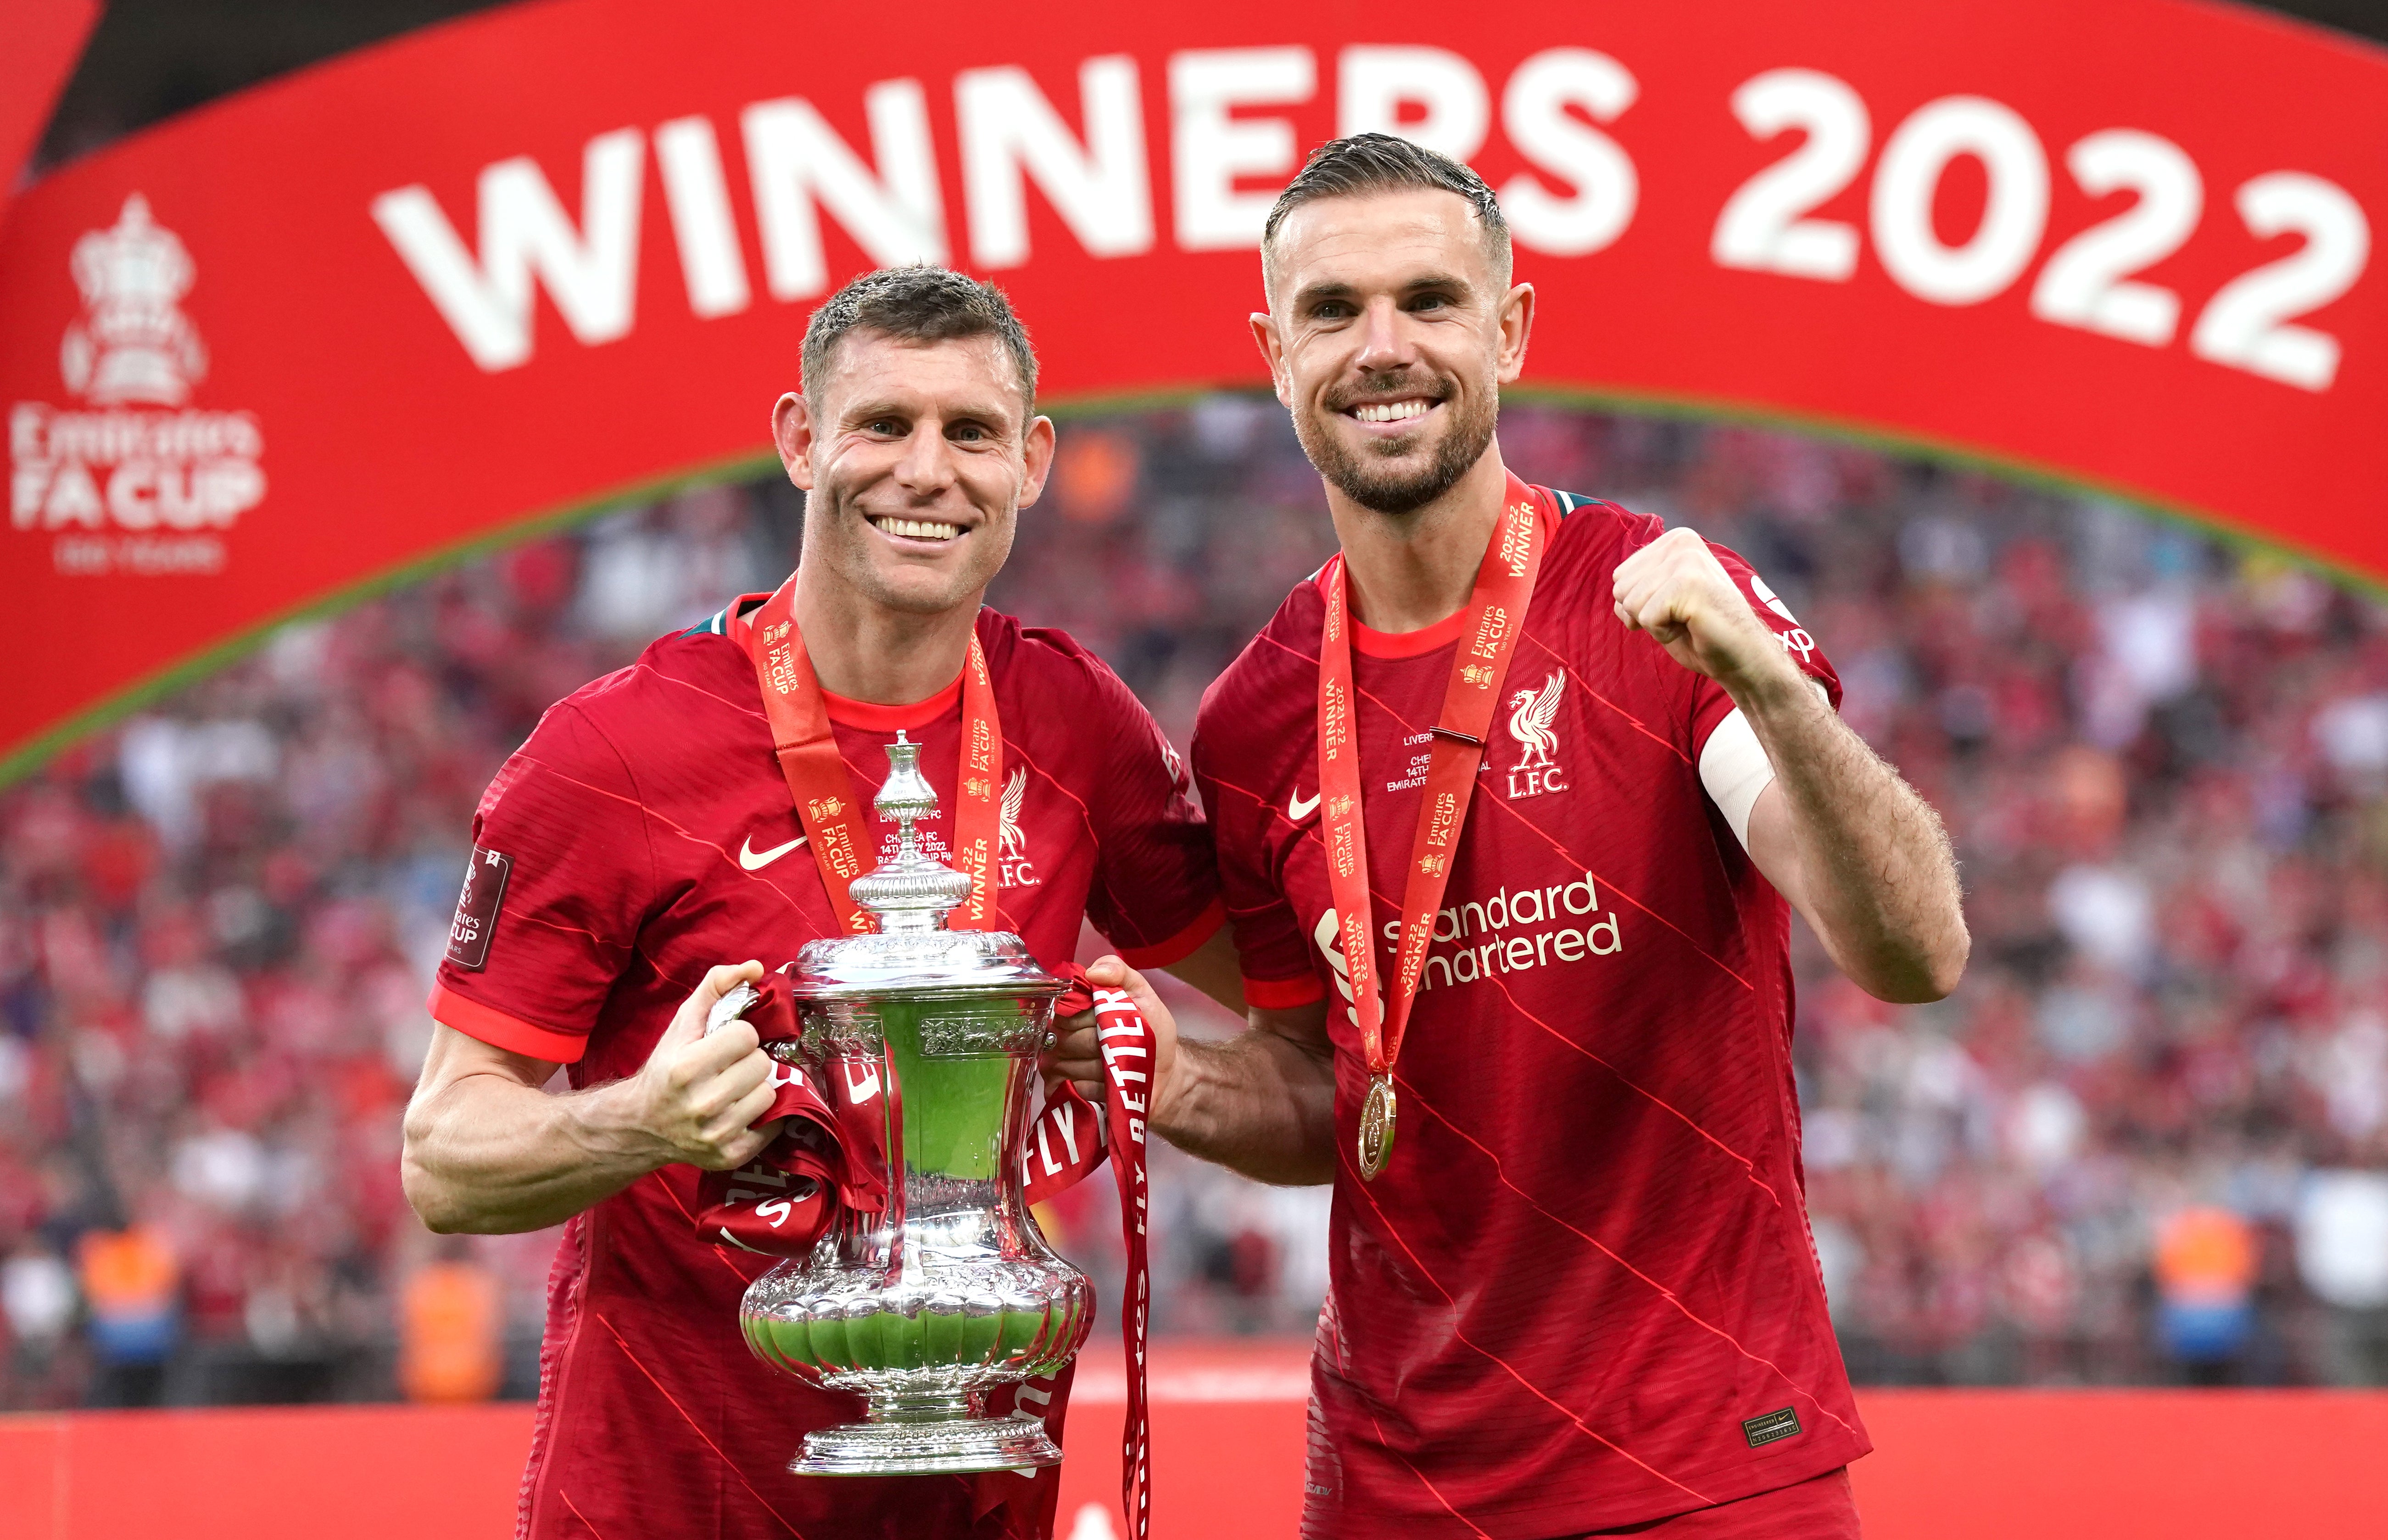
pixel 953 1107
pixel 953 1103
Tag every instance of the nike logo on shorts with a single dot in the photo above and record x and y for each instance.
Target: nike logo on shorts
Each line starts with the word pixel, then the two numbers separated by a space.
pixel 1297 809
pixel 755 860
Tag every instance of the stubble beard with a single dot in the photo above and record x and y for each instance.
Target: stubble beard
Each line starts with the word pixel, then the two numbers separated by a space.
pixel 1392 489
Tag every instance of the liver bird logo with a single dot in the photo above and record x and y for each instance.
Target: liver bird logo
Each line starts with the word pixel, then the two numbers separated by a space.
pixel 1007 832
pixel 1011 867
pixel 1531 712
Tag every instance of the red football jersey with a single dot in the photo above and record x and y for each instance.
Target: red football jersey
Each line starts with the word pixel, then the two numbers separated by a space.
pixel 1583 1293
pixel 644 833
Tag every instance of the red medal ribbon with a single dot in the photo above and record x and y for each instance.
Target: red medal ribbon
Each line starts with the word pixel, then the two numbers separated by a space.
pixel 833 815
pixel 1505 583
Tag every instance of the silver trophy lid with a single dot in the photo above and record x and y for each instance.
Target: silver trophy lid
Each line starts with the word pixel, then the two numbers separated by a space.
pixel 909 895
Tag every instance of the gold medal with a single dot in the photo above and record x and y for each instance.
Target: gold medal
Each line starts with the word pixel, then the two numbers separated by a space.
pixel 1377 1127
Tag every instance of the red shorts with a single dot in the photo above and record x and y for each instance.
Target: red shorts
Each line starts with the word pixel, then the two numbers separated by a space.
pixel 1821 1508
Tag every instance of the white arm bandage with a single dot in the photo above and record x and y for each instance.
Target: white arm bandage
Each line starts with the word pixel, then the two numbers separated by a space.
pixel 1734 770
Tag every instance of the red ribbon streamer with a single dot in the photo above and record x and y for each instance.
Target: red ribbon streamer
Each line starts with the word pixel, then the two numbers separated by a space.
pixel 784 1199
pixel 1058 1157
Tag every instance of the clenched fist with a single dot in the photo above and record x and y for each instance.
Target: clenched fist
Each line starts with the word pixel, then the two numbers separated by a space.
pixel 1676 589
pixel 695 1095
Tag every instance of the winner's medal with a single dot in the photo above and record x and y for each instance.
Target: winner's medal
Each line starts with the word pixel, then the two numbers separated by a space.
pixel 1376 1126
pixel 1505 582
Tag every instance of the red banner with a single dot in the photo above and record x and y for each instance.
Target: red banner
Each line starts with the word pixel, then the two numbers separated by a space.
pixel 45 37
pixel 302 340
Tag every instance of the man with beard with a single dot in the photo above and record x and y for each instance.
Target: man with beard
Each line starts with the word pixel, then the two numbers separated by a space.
pixel 677 813
pixel 1510 798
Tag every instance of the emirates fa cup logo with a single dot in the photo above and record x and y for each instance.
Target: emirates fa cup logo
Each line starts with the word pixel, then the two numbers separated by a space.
pixel 138 481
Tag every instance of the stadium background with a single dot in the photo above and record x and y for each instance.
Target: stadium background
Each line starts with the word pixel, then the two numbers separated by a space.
pixel 2145 1143
pixel 2140 1144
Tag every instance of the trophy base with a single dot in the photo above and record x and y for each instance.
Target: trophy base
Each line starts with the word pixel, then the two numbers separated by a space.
pixel 935 1437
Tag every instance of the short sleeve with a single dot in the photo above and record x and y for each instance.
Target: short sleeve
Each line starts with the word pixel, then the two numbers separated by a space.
pixel 1155 895
pixel 1270 950
pixel 1711 704
pixel 554 894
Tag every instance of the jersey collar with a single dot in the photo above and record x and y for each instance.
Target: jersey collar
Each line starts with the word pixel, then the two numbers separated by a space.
pixel 869 716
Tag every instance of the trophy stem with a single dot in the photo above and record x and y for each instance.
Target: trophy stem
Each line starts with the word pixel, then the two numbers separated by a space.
pixel 929 1408
pixel 926 1434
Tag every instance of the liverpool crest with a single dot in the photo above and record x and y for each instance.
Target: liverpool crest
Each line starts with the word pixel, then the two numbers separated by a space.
pixel 1012 867
pixel 1532 714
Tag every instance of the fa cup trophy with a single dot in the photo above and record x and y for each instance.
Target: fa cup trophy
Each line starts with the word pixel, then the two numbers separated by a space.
pixel 926 1039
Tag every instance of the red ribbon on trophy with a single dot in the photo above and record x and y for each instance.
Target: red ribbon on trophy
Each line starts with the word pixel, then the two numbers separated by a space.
pixel 1070 1139
pixel 780 1201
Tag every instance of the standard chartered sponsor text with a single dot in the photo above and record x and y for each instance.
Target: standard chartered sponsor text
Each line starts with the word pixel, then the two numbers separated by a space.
pixel 1458 957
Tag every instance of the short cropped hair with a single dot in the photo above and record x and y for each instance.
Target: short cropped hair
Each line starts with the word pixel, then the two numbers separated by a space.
pixel 919 302
pixel 1360 163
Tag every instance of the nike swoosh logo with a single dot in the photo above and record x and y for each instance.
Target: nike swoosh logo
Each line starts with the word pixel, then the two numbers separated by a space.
pixel 755 860
pixel 1297 809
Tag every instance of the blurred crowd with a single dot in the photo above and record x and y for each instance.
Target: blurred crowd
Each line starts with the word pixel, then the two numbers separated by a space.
pixel 2145 1141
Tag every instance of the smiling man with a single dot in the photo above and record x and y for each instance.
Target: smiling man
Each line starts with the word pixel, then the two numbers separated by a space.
pixel 709 803
pixel 1510 797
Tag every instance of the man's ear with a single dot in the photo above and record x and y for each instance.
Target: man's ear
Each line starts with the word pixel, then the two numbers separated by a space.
pixel 1036 459
pixel 1273 354
pixel 792 430
pixel 1516 322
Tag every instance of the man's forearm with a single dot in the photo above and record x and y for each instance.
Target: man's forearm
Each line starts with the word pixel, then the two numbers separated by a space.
pixel 1258 1104
pixel 1878 880
pixel 487 1155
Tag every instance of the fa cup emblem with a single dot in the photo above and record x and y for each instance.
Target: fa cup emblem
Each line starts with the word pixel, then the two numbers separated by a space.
pixel 133 344
pixel 139 478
